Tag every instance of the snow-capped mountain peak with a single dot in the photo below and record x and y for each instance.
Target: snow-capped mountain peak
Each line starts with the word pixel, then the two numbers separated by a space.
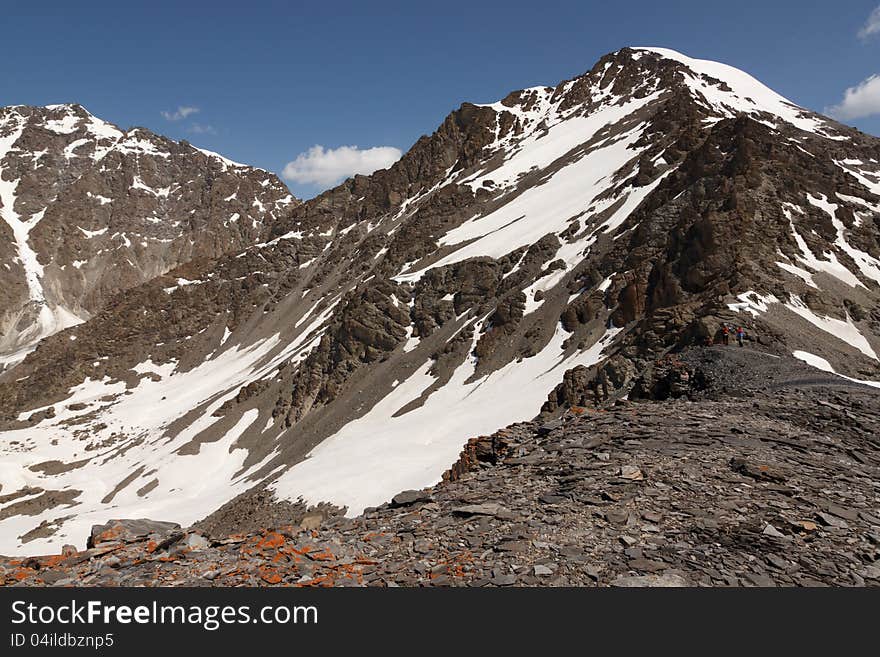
pixel 90 209
pixel 728 91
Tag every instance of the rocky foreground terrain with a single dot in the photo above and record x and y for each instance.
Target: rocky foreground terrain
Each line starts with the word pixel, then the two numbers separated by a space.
pixel 753 470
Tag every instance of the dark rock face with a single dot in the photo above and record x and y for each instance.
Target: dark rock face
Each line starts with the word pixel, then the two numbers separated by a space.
pixel 670 378
pixel 106 210
pixel 582 234
pixel 484 450
pixel 594 386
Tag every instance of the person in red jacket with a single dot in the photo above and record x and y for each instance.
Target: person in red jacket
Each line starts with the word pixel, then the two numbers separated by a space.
pixel 740 335
pixel 725 334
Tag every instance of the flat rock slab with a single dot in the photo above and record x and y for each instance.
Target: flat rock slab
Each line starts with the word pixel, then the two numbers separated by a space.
pixel 670 580
pixel 127 530
pixel 488 509
pixel 408 497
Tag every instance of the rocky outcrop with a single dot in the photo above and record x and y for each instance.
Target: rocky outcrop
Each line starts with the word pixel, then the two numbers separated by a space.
pixel 670 378
pixel 371 323
pixel 129 531
pixel 478 452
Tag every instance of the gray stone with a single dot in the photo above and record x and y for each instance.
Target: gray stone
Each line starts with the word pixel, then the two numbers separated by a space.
pixel 770 530
pixel 128 530
pixel 487 509
pixel 409 497
pixel 631 472
pixel 832 521
pixel 872 571
pixel 548 427
pixel 647 565
pixel 195 542
pixel 761 579
pixel 667 580
pixel 842 512
pixel 513 546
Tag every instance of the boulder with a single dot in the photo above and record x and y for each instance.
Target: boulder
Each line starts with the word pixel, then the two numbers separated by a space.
pixel 487 509
pixel 127 530
pixel 408 497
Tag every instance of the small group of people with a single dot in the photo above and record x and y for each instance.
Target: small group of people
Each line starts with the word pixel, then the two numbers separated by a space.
pixel 727 329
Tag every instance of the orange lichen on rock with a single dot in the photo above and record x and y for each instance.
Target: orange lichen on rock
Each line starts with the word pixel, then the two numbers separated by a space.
pixel 272 540
pixel 270 575
pixel 323 555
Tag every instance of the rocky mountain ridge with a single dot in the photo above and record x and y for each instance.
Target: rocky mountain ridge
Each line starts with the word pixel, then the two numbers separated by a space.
pixel 90 210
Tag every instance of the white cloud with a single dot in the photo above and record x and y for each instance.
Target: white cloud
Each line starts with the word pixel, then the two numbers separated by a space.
pixel 180 113
pixel 201 129
pixel 872 25
pixel 859 101
pixel 320 166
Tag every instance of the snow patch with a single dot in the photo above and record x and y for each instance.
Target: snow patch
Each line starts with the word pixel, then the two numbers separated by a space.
pixel 753 303
pixel 843 330
pixel 378 455
pixel 821 364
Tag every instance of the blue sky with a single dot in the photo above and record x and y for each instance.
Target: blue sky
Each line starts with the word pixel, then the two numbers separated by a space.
pixel 272 80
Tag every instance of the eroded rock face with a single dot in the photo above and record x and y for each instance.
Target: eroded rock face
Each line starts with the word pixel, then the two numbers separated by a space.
pixel 91 210
pixel 670 378
pixel 525 248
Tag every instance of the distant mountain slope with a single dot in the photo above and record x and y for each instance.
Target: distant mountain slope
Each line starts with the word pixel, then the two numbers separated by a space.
pixel 89 210
pixel 492 272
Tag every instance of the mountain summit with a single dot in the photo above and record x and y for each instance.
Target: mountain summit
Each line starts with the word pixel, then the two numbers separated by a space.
pixel 527 247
